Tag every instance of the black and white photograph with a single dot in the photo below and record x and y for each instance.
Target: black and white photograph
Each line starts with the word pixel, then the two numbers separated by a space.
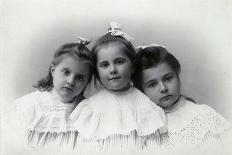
pixel 125 77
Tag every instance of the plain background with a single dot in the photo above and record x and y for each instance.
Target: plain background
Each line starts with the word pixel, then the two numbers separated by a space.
pixel 197 32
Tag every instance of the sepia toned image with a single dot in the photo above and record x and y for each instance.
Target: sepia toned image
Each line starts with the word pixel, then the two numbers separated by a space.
pixel 116 77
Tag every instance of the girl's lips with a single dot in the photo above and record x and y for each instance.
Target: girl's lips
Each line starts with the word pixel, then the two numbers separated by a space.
pixel 114 78
pixel 166 97
pixel 69 89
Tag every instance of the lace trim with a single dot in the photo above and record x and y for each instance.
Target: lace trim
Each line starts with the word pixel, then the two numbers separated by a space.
pixel 198 130
pixel 57 108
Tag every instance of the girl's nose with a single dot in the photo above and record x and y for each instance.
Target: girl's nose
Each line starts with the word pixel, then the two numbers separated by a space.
pixel 70 81
pixel 113 69
pixel 163 88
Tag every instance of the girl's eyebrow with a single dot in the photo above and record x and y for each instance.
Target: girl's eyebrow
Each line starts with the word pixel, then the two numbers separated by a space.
pixel 123 58
pixel 65 68
pixel 120 57
pixel 104 61
pixel 167 74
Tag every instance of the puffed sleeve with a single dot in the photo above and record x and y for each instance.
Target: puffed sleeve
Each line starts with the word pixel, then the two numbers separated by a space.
pixel 83 119
pixel 215 123
pixel 25 108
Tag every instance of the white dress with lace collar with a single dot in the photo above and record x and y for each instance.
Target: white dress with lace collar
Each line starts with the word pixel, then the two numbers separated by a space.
pixel 43 116
pixel 117 119
pixel 193 128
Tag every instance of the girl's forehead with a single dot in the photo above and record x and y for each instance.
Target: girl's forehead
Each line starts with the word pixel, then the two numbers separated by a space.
pixel 76 65
pixel 111 50
pixel 71 60
pixel 115 44
pixel 156 72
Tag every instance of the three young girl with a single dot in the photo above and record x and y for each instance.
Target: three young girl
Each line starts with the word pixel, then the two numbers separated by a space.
pixel 118 116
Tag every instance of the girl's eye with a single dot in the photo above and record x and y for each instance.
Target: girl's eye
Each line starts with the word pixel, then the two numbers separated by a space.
pixel 120 61
pixel 79 78
pixel 66 72
pixel 168 78
pixel 103 64
pixel 152 84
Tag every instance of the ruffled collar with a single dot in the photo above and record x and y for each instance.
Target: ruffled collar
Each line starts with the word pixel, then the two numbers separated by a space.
pixel 105 114
pixel 118 93
pixel 50 114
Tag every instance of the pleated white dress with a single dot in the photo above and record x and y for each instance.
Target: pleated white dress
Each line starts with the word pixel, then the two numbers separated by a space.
pixel 117 123
pixel 42 125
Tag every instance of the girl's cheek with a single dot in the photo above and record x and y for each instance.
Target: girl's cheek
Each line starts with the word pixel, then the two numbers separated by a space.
pixel 153 93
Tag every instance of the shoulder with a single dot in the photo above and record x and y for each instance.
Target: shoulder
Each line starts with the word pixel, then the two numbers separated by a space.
pixel 26 106
pixel 215 121
pixel 28 99
pixel 81 108
pixel 189 109
pixel 31 102
pixel 141 101
pixel 28 96
pixel 88 104
pixel 137 96
pixel 186 106
pixel 199 109
pixel 196 115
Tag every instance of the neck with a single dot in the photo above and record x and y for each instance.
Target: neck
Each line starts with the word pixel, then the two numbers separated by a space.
pixel 61 98
pixel 67 100
pixel 172 106
pixel 120 91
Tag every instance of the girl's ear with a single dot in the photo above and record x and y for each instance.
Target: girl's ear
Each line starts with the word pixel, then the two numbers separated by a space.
pixel 52 69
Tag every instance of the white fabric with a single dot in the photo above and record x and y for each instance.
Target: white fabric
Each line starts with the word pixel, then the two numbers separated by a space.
pixel 105 114
pixel 41 114
pixel 194 128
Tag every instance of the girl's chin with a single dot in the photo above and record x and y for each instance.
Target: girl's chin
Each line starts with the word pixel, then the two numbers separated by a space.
pixel 165 104
pixel 118 88
pixel 68 99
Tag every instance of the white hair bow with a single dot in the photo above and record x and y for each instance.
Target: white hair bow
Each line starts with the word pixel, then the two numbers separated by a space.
pixel 151 45
pixel 115 30
pixel 83 41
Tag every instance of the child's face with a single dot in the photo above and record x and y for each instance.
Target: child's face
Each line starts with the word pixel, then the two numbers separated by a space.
pixel 161 85
pixel 114 67
pixel 70 77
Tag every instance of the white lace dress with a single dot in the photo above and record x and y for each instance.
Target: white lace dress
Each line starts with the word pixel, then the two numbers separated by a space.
pixel 117 123
pixel 42 122
pixel 193 129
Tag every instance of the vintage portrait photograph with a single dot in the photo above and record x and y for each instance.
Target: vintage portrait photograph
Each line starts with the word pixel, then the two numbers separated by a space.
pixel 125 77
